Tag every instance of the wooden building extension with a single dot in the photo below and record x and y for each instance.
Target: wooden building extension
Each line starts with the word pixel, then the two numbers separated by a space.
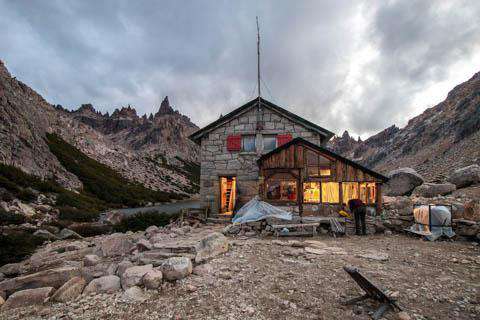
pixel 301 173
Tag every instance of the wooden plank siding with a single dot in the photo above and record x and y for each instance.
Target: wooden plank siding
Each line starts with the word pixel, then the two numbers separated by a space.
pixel 293 157
pixel 293 160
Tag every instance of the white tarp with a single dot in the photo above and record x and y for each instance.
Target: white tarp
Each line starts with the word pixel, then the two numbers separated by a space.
pixel 256 210
pixel 432 222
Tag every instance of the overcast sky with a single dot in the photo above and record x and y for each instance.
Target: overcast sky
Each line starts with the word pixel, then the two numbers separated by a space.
pixel 355 65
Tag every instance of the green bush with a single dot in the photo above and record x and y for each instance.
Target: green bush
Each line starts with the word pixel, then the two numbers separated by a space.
pixel 15 247
pixel 143 220
pixel 99 179
pixel 7 218
pixel 77 215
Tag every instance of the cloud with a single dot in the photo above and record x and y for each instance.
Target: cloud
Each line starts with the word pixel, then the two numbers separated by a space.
pixel 344 65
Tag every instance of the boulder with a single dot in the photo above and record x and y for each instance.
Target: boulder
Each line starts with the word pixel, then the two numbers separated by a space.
pixel 402 182
pixel 112 217
pixel 472 210
pixel 122 266
pixel 99 270
pixel 117 244
pixel 106 284
pixel 12 269
pixel 176 268
pixel 134 294
pixel 465 176
pixel 466 228
pixel 25 209
pixel 28 297
pixel 152 279
pixel 150 231
pixel 45 234
pixel 91 260
pixel 430 190
pixel 2 301
pixel 68 234
pixel 48 278
pixel 143 245
pixel 211 246
pixel 70 290
pixel 133 275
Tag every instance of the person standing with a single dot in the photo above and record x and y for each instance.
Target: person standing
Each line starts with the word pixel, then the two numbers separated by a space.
pixel 359 210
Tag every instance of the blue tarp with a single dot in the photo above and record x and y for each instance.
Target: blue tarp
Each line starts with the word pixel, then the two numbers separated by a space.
pixel 256 210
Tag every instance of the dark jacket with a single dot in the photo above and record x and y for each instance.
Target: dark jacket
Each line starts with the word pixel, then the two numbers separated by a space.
pixel 354 204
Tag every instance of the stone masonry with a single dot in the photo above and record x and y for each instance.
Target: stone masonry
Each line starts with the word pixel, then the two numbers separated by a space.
pixel 216 161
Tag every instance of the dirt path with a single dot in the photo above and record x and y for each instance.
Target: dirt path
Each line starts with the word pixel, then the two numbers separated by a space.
pixel 261 279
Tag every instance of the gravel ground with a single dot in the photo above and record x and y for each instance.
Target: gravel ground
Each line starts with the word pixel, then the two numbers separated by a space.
pixel 269 279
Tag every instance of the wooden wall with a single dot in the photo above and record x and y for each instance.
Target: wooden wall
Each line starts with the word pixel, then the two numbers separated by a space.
pixel 294 157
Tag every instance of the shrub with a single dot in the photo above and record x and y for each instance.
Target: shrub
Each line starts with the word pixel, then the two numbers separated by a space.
pixel 77 215
pixel 143 220
pixel 15 247
pixel 101 180
pixel 7 218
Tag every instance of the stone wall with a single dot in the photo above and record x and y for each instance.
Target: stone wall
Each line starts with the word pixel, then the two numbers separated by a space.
pixel 216 161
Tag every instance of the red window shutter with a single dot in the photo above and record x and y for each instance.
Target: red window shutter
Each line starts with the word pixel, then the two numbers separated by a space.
pixel 234 143
pixel 283 138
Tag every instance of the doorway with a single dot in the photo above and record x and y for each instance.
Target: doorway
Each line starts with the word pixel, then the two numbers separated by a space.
pixel 228 194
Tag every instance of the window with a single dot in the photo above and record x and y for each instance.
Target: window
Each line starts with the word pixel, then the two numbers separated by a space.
pixel 330 192
pixel 368 192
pixel 349 191
pixel 281 187
pixel 317 165
pixel 311 192
pixel 248 143
pixel 269 142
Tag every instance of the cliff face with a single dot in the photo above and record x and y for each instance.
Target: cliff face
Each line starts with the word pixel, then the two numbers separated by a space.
pixel 442 138
pixel 141 149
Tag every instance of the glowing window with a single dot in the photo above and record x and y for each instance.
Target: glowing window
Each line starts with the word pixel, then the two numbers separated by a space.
pixel 311 192
pixel 281 187
pixel 349 191
pixel 330 192
pixel 368 192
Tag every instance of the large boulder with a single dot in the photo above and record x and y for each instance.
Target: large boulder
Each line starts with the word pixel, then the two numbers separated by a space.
pixel 430 190
pixel 152 279
pixel 466 228
pixel 176 268
pixel 211 246
pixel 45 234
pixel 402 182
pixel 122 266
pixel 48 278
pixel 465 176
pixel 70 290
pixel 133 275
pixel 12 269
pixel 91 260
pixel 106 284
pixel 472 210
pixel 28 297
pixel 68 234
pixel 117 244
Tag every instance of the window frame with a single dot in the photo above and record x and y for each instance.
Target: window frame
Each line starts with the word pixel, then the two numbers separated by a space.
pixel 274 136
pixel 291 178
pixel 244 136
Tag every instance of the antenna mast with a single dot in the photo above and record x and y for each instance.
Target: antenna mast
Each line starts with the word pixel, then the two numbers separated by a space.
pixel 258 62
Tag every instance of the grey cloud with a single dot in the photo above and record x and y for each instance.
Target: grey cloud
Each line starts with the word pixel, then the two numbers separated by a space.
pixel 202 54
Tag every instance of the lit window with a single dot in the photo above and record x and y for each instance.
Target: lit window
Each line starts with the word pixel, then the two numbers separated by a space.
pixel 349 191
pixel 269 142
pixel 311 192
pixel 281 187
pixel 330 192
pixel 248 143
pixel 317 165
pixel 368 192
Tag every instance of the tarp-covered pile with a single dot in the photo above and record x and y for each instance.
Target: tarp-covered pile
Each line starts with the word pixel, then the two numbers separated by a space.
pixel 256 210
pixel 432 222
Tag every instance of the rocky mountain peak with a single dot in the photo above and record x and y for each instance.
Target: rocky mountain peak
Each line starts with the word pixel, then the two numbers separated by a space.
pixel 165 108
pixel 125 112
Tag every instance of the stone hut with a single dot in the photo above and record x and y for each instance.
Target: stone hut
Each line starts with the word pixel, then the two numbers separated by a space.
pixel 232 146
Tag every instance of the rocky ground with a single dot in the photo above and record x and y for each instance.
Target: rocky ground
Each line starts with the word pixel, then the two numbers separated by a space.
pixel 300 279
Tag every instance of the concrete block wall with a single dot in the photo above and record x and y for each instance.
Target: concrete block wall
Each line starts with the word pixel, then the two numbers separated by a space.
pixel 216 161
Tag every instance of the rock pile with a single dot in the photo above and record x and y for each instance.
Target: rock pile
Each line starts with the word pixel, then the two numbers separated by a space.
pixel 63 270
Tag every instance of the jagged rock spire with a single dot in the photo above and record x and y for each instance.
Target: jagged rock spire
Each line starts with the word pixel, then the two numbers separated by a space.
pixel 165 108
